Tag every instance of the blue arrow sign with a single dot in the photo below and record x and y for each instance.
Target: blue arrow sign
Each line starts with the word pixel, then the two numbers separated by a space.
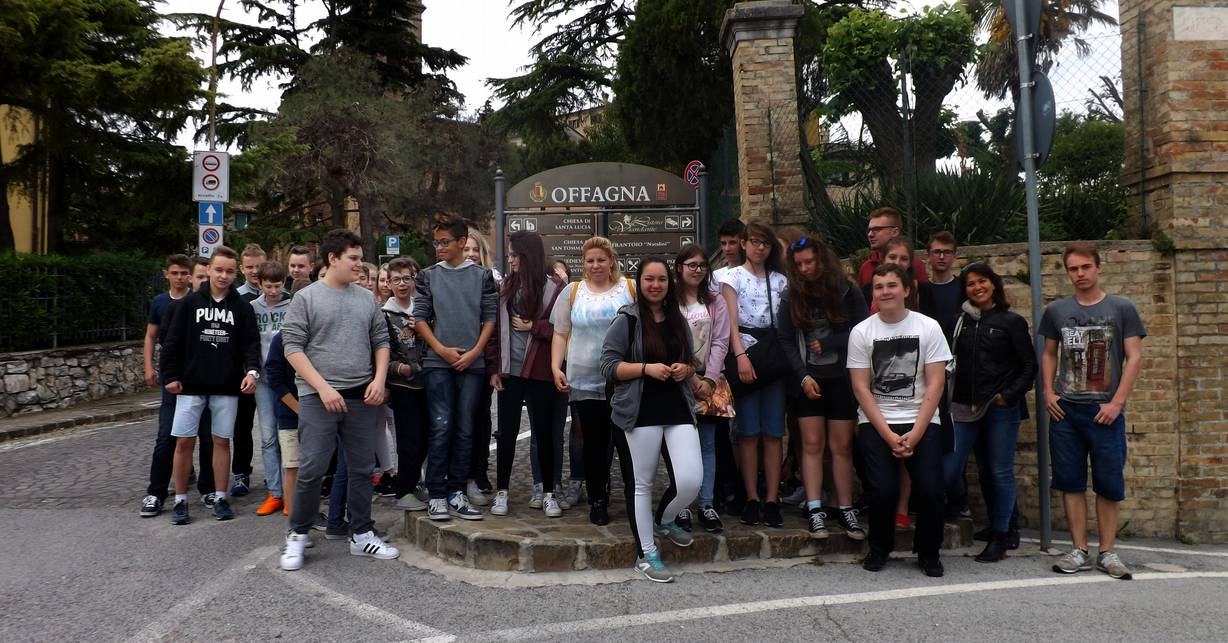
pixel 209 213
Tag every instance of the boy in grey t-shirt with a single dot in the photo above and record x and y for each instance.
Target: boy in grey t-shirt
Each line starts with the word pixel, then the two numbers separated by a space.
pixel 1093 355
pixel 336 340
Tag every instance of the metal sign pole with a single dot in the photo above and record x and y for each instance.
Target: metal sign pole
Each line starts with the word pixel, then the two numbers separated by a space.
pixel 500 221
pixel 702 197
pixel 1034 267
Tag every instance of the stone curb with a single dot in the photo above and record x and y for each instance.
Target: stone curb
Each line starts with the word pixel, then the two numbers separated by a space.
pixel 488 545
pixel 25 426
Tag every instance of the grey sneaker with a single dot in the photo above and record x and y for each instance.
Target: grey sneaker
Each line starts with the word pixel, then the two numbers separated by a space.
pixel 535 501
pixel 438 509
pixel 1109 563
pixel 653 569
pixel 475 495
pixel 675 534
pixel 410 502
pixel 573 492
pixel 1073 562
pixel 458 505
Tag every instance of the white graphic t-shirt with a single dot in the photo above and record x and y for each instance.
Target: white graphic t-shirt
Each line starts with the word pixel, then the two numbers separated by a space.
pixel 753 296
pixel 896 355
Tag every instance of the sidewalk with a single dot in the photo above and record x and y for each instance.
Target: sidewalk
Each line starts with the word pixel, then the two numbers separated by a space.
pixel 112 409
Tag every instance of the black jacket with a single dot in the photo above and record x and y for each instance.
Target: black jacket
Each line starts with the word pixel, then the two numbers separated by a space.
pixel 835 341
pixel 211 345
pixel 993 355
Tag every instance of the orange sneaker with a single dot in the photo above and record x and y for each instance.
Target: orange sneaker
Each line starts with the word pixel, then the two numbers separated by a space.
pixel 270 506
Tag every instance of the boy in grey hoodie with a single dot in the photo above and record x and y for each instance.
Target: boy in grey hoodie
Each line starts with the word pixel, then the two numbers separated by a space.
pixel 454 313
pixel 270 308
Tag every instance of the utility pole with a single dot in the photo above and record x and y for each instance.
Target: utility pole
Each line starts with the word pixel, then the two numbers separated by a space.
pixel 213 80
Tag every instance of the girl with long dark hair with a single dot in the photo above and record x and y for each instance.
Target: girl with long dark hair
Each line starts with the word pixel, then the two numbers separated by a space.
pixel 521 347
pixel 647 356
pixel 752 294
pixel 994 369
pixel 818 312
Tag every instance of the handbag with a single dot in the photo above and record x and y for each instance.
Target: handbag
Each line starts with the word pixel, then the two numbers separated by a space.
pixel 766 356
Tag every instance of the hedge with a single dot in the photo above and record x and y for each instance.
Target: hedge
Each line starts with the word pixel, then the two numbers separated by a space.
pixel 55 301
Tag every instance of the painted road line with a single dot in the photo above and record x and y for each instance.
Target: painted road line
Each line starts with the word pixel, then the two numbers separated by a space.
pixel 1158 550
pixel 398 626
pixel 738 609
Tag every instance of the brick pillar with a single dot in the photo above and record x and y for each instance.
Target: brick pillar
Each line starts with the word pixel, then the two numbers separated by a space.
pixel 1175 86
pixel 759 36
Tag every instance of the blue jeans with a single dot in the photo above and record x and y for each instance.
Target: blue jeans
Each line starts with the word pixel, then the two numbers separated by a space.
pixel 707 454
pixel 452 400
pixel 270 448
pixel 762 412
pixel 999 428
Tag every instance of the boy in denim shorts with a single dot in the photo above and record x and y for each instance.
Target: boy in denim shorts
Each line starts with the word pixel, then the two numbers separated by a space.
pixel 1093 354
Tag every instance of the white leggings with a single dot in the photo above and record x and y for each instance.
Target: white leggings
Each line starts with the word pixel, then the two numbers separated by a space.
pixel 639 450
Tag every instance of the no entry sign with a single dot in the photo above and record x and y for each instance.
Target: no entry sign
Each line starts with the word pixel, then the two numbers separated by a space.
pixel 211 177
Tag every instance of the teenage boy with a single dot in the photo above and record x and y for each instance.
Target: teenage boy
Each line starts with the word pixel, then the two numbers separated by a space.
pixel 731 234
pixel 885 225
pixel 946 291
pixel 454 313
pixel 270 309
pixel 301 261
pixel 211 355
pixel 252 258
pixel 178 275
pixel 1093 355
pixel 405 388
pixel 336 341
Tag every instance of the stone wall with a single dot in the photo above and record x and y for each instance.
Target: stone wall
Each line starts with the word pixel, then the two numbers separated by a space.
pixel 51 379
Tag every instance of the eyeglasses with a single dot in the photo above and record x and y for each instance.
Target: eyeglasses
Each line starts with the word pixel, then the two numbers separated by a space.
pixel 759 243
pixel 696 266
pixel 942 253
pixel 881 228
pixel 439 243
pixel 800 243
pixel 396 281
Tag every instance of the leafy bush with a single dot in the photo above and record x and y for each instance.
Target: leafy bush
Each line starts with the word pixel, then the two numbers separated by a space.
pixel 50 301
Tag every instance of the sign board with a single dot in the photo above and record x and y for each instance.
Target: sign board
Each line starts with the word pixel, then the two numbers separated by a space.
pixel 575 263
pixel 628 266
pixel 640 223
pixel 547 223
pixel 209 213
pixel 560 245
pixel 1044 119
pixel 211 177
pixel 208 237
pixel 600 185
pixel 392 244
pixel 641 245
pixel 691 174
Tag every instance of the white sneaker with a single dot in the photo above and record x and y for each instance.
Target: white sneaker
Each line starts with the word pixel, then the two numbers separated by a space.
pixel 292 554
pixel 475 495
pixel 438 509
pixel 369 544
pixel 500 506
pixel 535 502
pixel 550 505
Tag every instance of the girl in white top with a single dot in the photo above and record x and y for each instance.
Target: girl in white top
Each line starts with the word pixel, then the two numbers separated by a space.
pixel 752 293
pixel 582 314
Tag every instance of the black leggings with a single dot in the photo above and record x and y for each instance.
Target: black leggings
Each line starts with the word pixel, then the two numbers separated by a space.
pixel 413 425
pixel 479 457
pixel 882 484
pixel 540 397
pixel 595 422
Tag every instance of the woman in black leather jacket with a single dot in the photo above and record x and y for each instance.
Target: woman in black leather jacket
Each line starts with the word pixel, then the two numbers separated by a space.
pixel 995 365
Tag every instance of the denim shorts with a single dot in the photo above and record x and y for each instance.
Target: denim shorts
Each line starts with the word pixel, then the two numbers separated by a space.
pixel 762 412
pixel 188 409
pixel 1076 438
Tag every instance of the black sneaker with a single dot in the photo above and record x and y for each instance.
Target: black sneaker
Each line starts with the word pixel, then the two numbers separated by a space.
pixel 984 535
pixel 816 524
pixel 386 486
pixel 849 523
pixel 222 510
pixel 338 533
pixel 150 506
pixel 242 485
pixel 599 512
pixel 750 513
pixel 711 520
pixel 874 561
pixel 1012 540
pixel 771 515
pixel 684 520
pixel 179 513
pixel 207 499
pixel 931 566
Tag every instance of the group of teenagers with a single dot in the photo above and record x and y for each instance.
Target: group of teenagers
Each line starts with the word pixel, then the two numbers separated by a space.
pixel 896 378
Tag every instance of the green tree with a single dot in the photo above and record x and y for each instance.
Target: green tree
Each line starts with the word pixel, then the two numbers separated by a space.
pixel 109 94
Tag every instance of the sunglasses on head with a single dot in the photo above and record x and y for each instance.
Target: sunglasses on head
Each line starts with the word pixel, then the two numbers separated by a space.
pixel 801 243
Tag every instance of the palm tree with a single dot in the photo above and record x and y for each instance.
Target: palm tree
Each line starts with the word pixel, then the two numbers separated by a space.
pixel 997 73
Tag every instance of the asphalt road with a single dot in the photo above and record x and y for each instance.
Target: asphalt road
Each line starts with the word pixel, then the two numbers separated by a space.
pixel 77 563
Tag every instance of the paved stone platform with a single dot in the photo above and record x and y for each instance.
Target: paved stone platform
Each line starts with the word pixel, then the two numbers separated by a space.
pixel 527 541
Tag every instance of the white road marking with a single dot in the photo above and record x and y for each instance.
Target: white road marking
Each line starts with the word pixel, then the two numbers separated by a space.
pixel 1158 550
pixel 162 628
pixel 401 626
pixel 736 609
pixel 519 436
